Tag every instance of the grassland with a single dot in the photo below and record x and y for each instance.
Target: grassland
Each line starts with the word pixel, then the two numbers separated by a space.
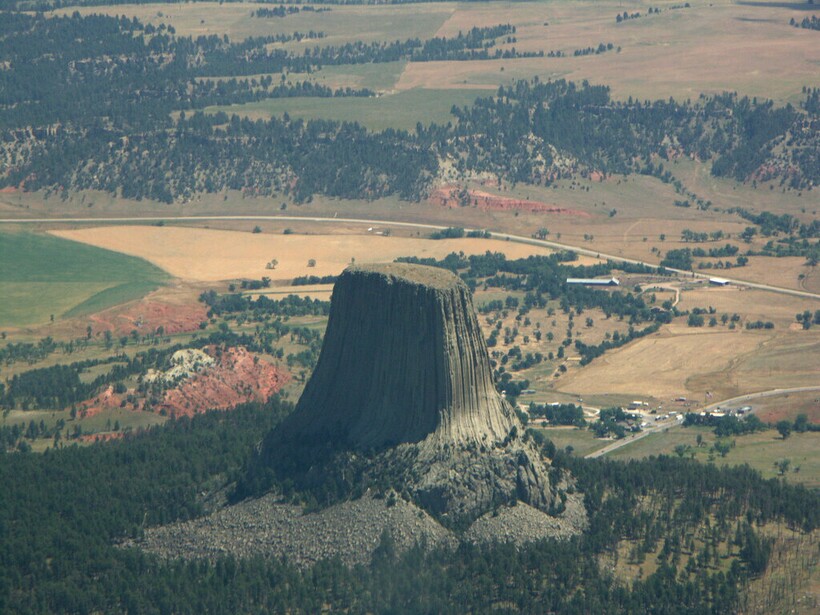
pixel 787 407
pixel 760 450
pixel 402 110
pixel 380 77
pixel 42 276
pixel 707 48
pixel 679 360
pixel 681 53
pixel 102 423
pixel 341 25
pixel 582 441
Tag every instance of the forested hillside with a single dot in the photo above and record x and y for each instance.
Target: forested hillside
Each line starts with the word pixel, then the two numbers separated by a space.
pixel 63 512
pixel 89 103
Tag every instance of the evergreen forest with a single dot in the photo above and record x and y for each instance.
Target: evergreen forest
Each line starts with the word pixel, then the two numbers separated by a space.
pixel 67 519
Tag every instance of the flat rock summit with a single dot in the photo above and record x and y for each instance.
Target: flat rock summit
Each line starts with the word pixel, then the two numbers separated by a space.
pixel 401 410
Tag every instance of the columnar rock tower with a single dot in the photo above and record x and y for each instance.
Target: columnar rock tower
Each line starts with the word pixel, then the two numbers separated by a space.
pixel 404 378
pixel 403 361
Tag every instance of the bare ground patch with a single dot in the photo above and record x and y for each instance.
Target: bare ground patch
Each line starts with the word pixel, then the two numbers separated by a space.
pixel 788 406
pixel 661 365
pixel 175 310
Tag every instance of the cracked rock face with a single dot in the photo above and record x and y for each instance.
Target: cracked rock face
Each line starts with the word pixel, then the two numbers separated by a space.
pixel 404 377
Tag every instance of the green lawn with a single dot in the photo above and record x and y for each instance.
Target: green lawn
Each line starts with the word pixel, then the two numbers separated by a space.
pixel 401 111
pixel 42 275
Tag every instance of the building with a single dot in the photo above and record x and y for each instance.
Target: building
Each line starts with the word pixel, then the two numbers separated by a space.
pixel 594 281
pixel 718 281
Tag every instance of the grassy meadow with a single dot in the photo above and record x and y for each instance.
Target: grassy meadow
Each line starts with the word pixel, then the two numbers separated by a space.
pixel 341 24
pixel 41 275
pixel 760 450
pixel 402 110
pixel 582 441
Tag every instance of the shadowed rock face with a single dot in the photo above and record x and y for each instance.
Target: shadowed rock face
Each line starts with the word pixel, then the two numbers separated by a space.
pixel 403 397
pixel 403 361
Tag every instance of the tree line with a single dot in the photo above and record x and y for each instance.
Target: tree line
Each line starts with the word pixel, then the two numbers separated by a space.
pixel 283 11
pixel 808 23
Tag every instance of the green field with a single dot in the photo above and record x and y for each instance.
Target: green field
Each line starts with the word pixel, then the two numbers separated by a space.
pixel 759 450
pixel 42 276
pixel 582 441
pixel 401 111
pixel 374 76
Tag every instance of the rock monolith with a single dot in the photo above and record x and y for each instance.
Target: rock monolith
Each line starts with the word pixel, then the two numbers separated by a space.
pixel 403 361
pixel 403 396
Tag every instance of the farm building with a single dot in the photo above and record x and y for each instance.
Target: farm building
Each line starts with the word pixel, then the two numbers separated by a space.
pixel 718 281
pixel 594 281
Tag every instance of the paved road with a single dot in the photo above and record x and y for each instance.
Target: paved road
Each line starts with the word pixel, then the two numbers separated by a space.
pixel 734 401
pixel 654 428
pixel 435 227
pixel 744 399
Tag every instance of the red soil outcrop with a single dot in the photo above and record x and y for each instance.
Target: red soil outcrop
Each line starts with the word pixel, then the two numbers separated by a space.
pixel 453 197
pixel 237 377
pixel 104 401
pixel 148 315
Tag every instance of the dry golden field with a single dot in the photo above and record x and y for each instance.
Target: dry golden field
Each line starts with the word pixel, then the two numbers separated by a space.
pixel 788 406
pixel 661 364
pixel 750 303
pixel 341 24
pixel 683 361
pixel 209 255
pixel 707 48
pixel 644 211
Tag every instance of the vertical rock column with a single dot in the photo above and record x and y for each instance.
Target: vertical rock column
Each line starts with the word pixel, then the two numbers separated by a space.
pixel 403 361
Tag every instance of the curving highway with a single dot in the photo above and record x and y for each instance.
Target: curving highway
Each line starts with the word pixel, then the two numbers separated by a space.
pixel 433 227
